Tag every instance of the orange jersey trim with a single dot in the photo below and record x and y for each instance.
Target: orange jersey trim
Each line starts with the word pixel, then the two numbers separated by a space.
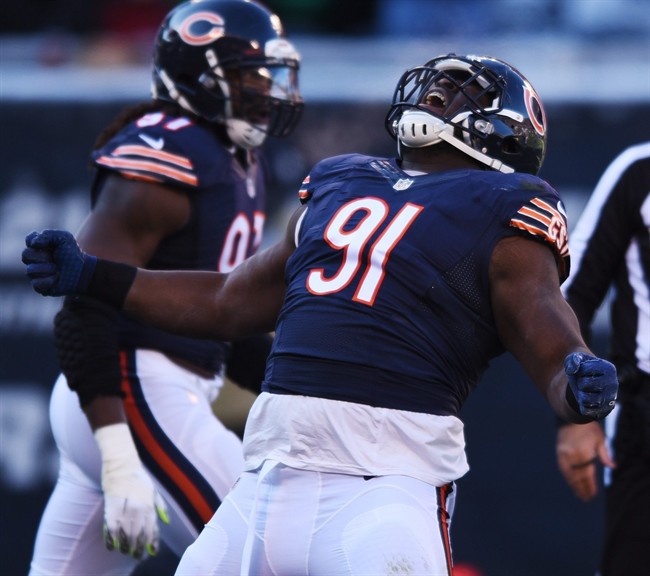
pixel 135 150
pixel 140 429
pixel 143 165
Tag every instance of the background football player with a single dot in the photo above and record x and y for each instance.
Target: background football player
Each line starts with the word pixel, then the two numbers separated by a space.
pixel 179 183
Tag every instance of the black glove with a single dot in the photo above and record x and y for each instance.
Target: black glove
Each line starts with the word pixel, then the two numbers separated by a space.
pixel 56 265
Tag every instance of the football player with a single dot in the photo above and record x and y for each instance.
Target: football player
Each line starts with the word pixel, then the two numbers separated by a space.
pixel 179 183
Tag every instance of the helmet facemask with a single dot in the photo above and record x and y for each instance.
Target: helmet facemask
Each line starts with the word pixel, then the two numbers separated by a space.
pixel 262 101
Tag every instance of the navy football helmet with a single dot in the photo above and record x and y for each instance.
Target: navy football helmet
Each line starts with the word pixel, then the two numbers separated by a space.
pixel 229 62
pixel 500 123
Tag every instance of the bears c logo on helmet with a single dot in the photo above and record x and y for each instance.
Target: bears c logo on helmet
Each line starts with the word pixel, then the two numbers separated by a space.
pixel 213 27
pixel 535 110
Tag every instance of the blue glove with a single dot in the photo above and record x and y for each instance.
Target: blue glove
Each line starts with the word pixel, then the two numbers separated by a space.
pixel 56 265
pixel 593 382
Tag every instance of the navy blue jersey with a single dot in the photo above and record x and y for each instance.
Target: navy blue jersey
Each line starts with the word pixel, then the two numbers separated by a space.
pixel 227 215
pixel 388 300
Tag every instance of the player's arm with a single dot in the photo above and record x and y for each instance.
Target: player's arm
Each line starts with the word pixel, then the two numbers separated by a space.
pixel 128 221
pixel 213 305
pixel 539 328
pixel 200 304
pixel 599 242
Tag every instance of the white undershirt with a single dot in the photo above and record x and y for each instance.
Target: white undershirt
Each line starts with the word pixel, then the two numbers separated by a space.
pixel 326 435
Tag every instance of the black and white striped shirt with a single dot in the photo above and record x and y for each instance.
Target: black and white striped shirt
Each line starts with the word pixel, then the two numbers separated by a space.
pixel 610 247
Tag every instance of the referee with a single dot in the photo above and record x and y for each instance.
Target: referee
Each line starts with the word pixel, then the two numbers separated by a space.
pixel 610 248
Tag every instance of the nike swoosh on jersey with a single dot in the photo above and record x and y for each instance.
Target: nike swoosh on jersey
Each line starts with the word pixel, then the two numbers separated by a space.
pixel 155 143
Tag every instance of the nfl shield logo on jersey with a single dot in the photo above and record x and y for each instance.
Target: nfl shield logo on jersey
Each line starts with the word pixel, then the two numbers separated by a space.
pixel 402 184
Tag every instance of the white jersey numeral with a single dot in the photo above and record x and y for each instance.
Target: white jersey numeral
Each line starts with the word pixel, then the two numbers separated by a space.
pixel 352 243
pixel 238 238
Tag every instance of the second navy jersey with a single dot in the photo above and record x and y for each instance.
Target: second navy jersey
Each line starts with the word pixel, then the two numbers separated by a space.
pixel 388 297
pixel 227 211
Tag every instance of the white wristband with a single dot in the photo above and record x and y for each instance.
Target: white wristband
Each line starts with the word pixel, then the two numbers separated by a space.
pixel 118 448
pixel 131 503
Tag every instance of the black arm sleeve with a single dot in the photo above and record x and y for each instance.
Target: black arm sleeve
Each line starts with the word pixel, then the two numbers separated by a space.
pixel 111 282
pixel 87 348
pixel 247 361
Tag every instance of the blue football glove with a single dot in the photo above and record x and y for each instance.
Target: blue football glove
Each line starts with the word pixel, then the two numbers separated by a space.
pixel 55 263
pixel 593 382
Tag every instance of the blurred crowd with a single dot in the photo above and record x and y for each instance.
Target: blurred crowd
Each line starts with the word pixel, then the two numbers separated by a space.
pixel 114 32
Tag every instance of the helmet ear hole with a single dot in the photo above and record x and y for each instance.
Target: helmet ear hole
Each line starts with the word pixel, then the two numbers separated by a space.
pixel 184 80
pixel 510 145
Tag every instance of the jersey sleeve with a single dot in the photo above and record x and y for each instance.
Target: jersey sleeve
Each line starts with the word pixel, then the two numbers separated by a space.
pixel 541 216
pixel 156 148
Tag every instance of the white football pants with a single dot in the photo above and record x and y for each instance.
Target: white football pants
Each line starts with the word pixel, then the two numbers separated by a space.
pixel 280 521
pixel 193 458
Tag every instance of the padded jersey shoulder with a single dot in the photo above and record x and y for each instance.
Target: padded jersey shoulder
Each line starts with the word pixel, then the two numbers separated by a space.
pixel 165 149
pixel 330 171
pixel 533 209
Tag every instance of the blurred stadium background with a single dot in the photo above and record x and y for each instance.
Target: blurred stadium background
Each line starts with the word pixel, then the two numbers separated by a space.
pixel 67 67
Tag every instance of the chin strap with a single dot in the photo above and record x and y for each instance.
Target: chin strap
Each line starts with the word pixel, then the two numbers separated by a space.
pixel 419 129
pixel 483 158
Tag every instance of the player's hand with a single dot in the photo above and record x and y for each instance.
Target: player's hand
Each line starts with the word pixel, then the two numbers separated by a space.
pixel 579 449
pixel 132 505
pixel 593 382
pixel 55 263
